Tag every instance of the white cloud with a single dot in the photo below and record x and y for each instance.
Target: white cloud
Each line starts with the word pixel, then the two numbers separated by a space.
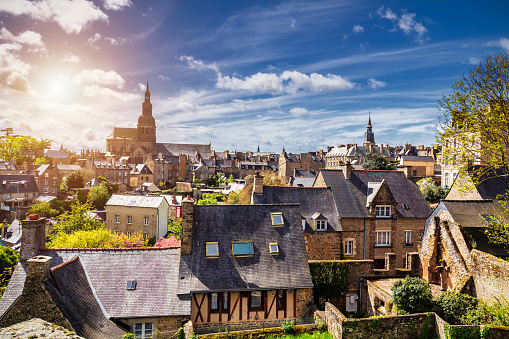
pixel 299 112
pixel 375 84
pixel 259 82
pixel 115 42
pixel 293 23
pixel 199 64
pixel 502 42
pixel 70 58
pixel 99 77
pixel 71 15
pixel 474 60
pixel 406 23
pixel 116 5
pixel 32 39
pixel 102 93
pixel 163 78
pixel 357 29
pixel 94 39
pixel 13 71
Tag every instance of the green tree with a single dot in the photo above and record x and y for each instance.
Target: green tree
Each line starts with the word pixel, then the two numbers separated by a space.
pixel 44 210
pixel 455 307
pixel 376 161
pixel 8 260
pixel 233 198
pixel 78 219
pixel 175 227
pixel 21 148
pixel 431 192
pixel 209 199
pixel 412 295
pixel 98 196
pixel 74 180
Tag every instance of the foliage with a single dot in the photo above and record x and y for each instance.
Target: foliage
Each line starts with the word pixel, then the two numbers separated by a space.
pixel 98 238
pixel 320 325
pixel 210 199
pixel 8 258
pixel 41 161
pixel 496 313
pixel 287 326
pixel 21 148
pixel 78 219
pixel 73 180
pixel 175 227
pixel 98 196
pixel 376 161
pixel 329 279
pixel 454 307
pixel 81 196
pixel 477 111
pixel 496 231
pixel 180 333
pixel 412 295
pixel 128 335
pixel 230 179
pixel 233 198
pixel 168 242
pixel 431 192
pixel 112 188
pixel 245 195
pixel 123 241
pixel 44 210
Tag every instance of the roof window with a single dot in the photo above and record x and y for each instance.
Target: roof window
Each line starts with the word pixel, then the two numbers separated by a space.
pixel 273 248
pixel 211 250
pixel 242 249
pixel 277 219
pixel 131 285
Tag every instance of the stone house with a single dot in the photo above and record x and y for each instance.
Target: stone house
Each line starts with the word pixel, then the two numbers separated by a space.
pixel 130 214
pixel 141 174
pixel 48 179
pixel 379 212
pixel 288 163
pixel 422 166
pixel 112 170
pixel 243 266
pixel 16 194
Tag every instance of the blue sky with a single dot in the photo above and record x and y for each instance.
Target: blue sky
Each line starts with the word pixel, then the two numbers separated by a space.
pixel 238 74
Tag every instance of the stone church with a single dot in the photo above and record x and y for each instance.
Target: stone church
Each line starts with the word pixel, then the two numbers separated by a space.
pixel 140 142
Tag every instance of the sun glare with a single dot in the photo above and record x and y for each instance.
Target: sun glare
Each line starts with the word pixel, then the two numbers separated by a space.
pixel 59 88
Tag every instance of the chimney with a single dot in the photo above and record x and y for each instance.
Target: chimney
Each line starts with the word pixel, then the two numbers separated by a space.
pixel 32 238
pixel 38 268
pixel 347 169
pixel 258 184
pixel 370 148
pixel 390 261
pixel 408 171
pixel 187 226
pixel 113 161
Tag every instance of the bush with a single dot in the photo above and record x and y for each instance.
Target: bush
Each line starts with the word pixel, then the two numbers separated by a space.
pixel 456 308
pixel 412 295
pixel 287 326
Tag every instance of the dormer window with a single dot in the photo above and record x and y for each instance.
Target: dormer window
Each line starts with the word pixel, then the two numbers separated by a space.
pixel 319 222
pixel 211 250
pixel 383 211
pixel 277 219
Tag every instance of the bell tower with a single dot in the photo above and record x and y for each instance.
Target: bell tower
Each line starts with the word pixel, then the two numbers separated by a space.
pixel 369 136
pixel 147 125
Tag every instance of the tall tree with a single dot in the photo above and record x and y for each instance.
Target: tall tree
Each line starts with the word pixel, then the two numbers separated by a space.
pixel 21 148
pixel 376 161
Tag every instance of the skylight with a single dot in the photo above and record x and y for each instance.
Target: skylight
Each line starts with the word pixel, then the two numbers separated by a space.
pixel 242 248
pixel 273 248
pixel 211 250
pixel 277 219
pixel 131 285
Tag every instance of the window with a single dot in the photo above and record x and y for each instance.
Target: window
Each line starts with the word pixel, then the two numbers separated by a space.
pixel 219 302
pixel 321 225
pixel 303 224
pixel 349 247
pixel 117 232
pixel 145 221
pixel 142 330
pixel 46 175
pixel 277 219
pixel 242 249
pixel 145 236
pixel 273 248
pixel 214 302
pixel 383 238
pixel 256 301
pixel 281 299
pixel 129 219
pixel 383 211
pixel 45 190
pixel 446 181
pixel 117 219
pixel 131 285
pixel 408 238
pixel 45 181
pixel 211 250
pixel 129 234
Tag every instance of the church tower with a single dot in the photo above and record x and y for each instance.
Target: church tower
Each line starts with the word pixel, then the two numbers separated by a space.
pixel 147 125
pixel 369 136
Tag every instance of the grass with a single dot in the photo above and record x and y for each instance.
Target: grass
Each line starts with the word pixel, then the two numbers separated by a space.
pixel 314 335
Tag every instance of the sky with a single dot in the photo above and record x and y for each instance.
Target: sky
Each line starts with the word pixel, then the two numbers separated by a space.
pixel 239 74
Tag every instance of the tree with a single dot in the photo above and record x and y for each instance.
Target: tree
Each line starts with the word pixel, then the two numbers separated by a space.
pixel 78 219
pixel 8 260
pixel 455 307
pixel 475 124
pixel 175 227
pixel 376 161
pixel 98 196
pixel 431 192
pixel 44 210
pixel 21 148
pixel 412 295
pixel 74 180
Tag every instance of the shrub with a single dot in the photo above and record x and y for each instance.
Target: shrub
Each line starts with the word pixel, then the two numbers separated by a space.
pixel 412 295
pixel 287 326
pixel 455 307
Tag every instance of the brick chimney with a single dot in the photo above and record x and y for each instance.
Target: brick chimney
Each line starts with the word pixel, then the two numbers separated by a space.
pixel 347 169
pixel 186 247
pixel 32 238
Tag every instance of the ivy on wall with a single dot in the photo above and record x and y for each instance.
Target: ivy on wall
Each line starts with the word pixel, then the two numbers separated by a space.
pixel 329 280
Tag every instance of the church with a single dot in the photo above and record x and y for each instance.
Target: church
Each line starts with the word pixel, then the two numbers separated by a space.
pixel 140 142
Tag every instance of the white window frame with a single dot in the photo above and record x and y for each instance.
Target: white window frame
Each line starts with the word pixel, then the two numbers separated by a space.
pixel 383 238
pixel 348 247
pixel 129 219
pixel 129 234
pixel 143 330
pixel 45 190
pixel 145 221
pixel 383 211
pixel 321 225
pixel 117 219
pixel 408 237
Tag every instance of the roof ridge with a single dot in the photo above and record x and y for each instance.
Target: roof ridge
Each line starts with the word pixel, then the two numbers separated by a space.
pixel 62 265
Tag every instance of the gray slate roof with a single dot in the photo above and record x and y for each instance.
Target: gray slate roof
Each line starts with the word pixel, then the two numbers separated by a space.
pixel 350 195
pixel 417 158
pixel 14 289
pixel 147 201
pixel 72 292
pixel 30 186
pixel 156 273
pixel 227 223
pixel 311 200
pixel 187 149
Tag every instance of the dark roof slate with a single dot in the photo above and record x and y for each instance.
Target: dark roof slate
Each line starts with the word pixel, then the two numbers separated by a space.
pixel 6 185
pixel 156 273
pixel 228 223
pixel 14 288
pixel 72 292
pixel 311 200
pixel 351 194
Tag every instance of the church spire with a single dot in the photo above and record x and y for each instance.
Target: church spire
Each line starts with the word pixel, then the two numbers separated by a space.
pixel 369 136
pixel 369 120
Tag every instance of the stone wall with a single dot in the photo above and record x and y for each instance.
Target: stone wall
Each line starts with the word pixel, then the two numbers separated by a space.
pixel 491 275
pixel 323 245
pixel 334 319
pixel 32 238
pixel 168 326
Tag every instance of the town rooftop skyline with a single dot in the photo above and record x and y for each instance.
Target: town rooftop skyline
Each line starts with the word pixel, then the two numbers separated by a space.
pixel 293 74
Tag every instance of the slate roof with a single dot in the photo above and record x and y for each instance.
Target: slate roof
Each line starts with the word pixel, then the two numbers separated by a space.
pixel 155 272
pixel 468 214
pixel 56 154
pixel 70 168
pixel 302 182
pixel 187 149
pixel 141 169
pixel 74 295
pixel 311 200
pixel 123 132
pixel 135 200
pixel 356 150
pixel 14 289
pixel 227 223
pixel 417 158
pixel 7 166
pixel 350 195
pixel 30 186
